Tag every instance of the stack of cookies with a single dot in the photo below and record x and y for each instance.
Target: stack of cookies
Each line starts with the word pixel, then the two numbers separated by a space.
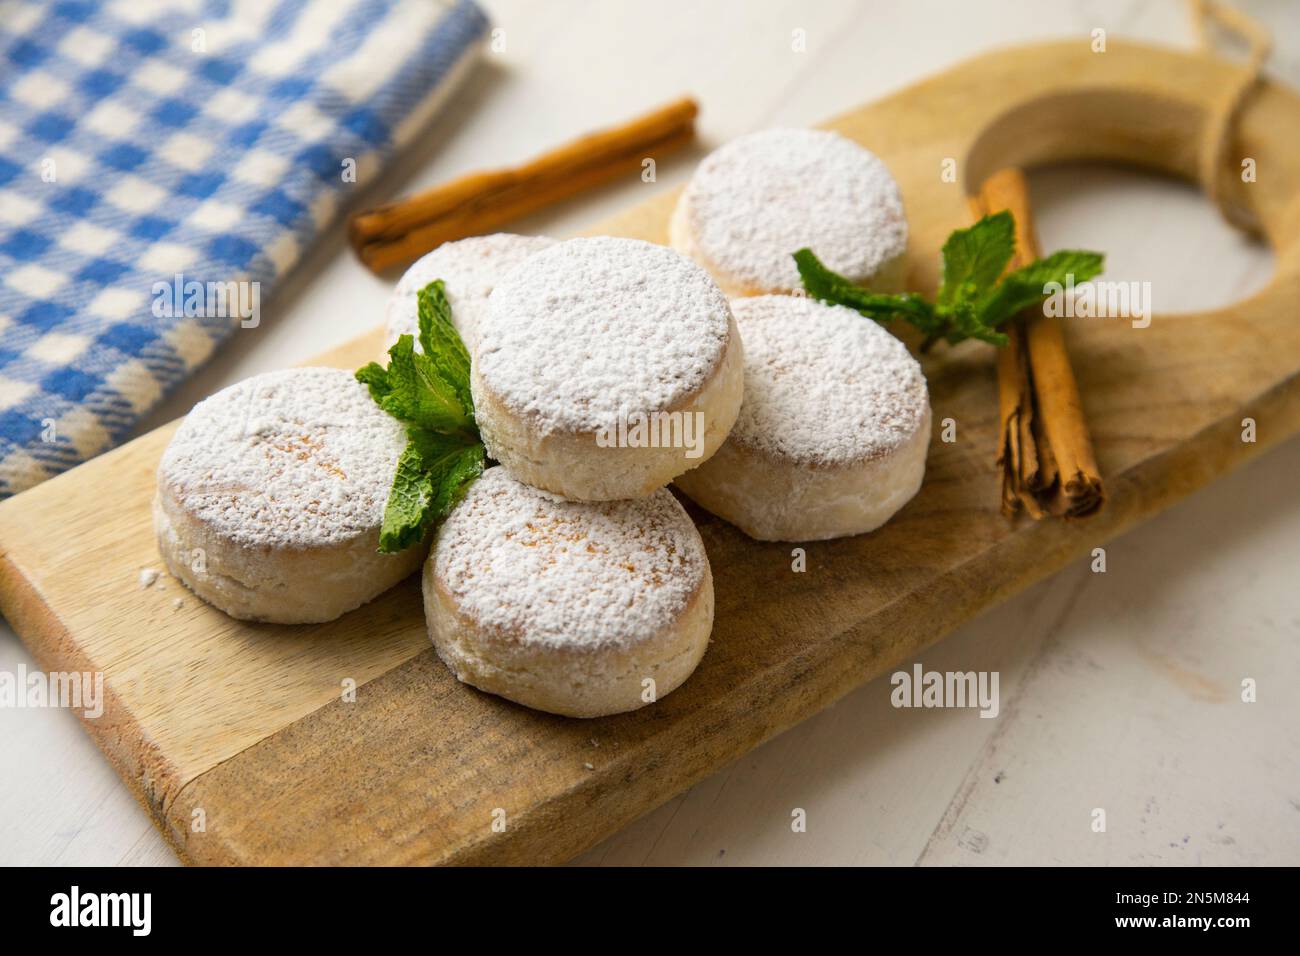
pixel 569 578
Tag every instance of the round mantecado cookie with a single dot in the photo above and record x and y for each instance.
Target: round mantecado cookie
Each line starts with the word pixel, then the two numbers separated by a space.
pixel 576 608
pixel 754 202
pixel 271 495
pixel 469 269
pixel 605 368
pixel 832 438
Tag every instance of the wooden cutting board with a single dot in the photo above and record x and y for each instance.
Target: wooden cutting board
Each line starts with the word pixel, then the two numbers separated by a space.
pixel 238 740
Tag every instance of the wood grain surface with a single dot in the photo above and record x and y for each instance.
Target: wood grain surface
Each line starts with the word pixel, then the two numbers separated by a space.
pixel 245 727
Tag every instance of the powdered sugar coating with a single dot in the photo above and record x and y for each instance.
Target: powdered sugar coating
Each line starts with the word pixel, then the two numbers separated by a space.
pixel 757 200
pixel 533 567
pixel 823 385
pixel 593 325
pixel 290 459
pixel 470 269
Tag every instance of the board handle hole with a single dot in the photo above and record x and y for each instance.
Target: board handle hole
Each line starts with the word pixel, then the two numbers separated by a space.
pixel 1115 170
pixel 1153 229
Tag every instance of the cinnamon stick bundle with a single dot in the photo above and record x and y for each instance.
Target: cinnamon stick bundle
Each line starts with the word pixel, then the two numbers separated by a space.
pixel 400 232
pixel 1044 450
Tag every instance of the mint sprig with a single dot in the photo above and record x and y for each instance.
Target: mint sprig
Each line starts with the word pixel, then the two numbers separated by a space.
pixel 428 391
pixel 972 301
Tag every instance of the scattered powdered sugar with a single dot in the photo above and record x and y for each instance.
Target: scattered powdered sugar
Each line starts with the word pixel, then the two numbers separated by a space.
pixel 469 268
pixel 292 459
pixel 823 385
pixel 148 576
pixel 754 202
pixel 593 325
pixel 538 568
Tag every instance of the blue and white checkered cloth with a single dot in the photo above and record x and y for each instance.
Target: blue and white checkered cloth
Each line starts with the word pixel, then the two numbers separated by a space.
pixel 145 140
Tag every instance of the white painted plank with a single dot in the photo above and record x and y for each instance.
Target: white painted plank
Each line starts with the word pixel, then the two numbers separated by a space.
pixel 1135 704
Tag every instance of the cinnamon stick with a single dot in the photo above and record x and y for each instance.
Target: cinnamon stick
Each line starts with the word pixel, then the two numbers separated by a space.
pixel 400 232
pixel 1044 450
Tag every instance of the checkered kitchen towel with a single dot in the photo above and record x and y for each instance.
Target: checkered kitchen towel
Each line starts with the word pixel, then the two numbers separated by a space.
pixel 145 140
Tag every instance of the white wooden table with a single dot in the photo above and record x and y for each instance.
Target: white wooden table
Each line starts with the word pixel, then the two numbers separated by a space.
pixel 1118 690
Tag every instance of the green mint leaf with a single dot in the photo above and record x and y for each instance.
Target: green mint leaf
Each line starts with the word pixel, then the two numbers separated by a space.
pixel 375 377
pixel 819 281
pixel 404 513
pixel 828 286
pixel 440 341
pixel 416 391
pixel 966 322
pixel 971 303
pixel 973 258
pixel 1025 286
pixel 452 470
pixel 429 392
pixel 432 475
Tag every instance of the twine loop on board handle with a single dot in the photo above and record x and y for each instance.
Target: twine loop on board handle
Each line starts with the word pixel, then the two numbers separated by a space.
pixel 1218 131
